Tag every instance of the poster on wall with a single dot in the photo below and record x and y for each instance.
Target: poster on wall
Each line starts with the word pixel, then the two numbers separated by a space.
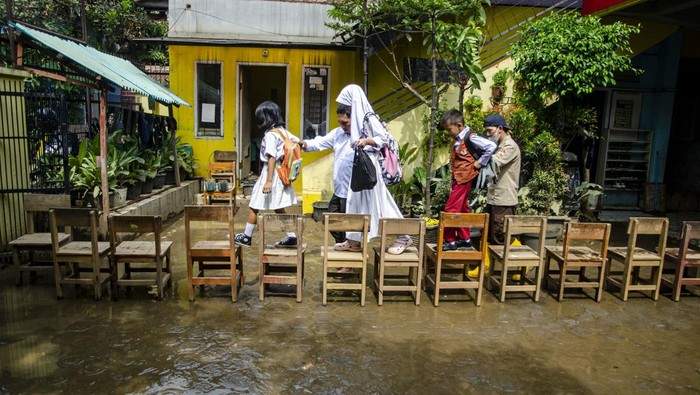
pixel 208 113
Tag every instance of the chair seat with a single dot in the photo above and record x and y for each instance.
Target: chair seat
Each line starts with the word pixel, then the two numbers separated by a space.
pixel 692 255
pixel 38 240
pixel 83 248
pixel 409 254
pixel 342 255
pixel 575 253
pixel 211 245
pixel 523 253
pixel 141 248
pixel 640 254
pixel 272 250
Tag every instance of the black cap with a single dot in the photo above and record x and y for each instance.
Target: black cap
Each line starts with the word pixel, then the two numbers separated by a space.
pixel 495 120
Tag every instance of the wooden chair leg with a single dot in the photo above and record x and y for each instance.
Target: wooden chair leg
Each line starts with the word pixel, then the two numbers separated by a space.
pixel 656 278
pixel 626 281
pixel 17 262
pixel 436 293
pixel 190 287
pixel 324 300
pixel 419 282
pixel 601 282
pixel 241 273
pixel 234 280
pixel 380 293
pixel 538 279
pixel 261 282
pixel 159 277
pixel 480 287
pixel 504 282
pixel 562 280
pixel 363 273
pixel 678 282
pixel 97 285
pixel 300 270
pixel 547 262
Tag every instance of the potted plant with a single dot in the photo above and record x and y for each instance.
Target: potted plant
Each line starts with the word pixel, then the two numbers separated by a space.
pixel 500 81
pixel 150 170
pixel 159 181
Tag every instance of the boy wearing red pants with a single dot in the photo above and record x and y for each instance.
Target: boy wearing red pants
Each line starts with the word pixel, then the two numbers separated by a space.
pixel 469 153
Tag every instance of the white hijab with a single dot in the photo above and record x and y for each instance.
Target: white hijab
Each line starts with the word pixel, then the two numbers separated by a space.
pixel 353 96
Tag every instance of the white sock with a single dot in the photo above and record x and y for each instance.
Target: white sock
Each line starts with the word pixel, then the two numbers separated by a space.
pixel 292 234
pixel 249 229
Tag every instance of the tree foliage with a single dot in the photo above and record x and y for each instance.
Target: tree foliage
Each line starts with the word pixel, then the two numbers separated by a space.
pixel 111 24
pixel 565 54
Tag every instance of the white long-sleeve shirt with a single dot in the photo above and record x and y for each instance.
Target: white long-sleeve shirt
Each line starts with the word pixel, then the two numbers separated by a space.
pixel 340 141
pixel 486 146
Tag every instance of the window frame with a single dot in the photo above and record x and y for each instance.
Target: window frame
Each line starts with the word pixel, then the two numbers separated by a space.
pixel 196 100
pixel 328 95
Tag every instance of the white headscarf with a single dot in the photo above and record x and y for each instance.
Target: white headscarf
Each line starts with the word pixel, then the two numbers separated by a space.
pixel 353 96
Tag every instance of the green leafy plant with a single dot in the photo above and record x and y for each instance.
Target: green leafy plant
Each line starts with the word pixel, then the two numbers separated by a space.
pixel 544 193
pixel 500 83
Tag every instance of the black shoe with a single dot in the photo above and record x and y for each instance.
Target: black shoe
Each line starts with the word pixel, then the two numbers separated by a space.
pixel 449 246
pixel 287 242
pixel 242 240
pixel 464 243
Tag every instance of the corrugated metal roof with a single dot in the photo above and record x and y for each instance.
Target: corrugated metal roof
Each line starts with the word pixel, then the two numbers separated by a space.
pixel 116 70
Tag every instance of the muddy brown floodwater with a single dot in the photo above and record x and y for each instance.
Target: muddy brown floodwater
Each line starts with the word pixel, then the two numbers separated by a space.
pixel 137 344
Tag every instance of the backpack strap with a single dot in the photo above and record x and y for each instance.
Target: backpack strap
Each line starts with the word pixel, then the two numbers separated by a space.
pixel 280 133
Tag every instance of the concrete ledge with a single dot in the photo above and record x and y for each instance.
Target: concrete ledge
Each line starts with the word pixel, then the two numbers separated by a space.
pixel 166 204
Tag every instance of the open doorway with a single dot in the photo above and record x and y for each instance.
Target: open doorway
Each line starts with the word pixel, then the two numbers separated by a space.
pixel 257 83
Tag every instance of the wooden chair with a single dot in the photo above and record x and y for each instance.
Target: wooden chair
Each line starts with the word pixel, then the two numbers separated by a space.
pixel 411 258
pixel 33 243
pixel 450 263
pixel 156 252
pixel 93 252
pixel 281 265
pixel 684 257
pixel 344 259
pixel 522 257
pixel 223 171
pixel 225 253
pixel 633 258
pixel 579 257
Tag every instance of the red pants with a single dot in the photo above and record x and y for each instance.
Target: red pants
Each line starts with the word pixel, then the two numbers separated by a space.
pixel 458 202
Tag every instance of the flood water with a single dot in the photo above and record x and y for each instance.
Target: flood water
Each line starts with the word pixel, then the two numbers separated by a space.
pixel 139 345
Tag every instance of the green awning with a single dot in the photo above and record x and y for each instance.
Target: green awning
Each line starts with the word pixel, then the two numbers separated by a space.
pixel 116 70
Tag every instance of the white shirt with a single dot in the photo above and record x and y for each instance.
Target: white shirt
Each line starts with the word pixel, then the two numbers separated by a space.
pixel 486 146
pixel 273 146
pixel 340 142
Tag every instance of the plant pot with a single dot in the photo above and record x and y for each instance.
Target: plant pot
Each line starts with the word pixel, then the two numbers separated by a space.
pixel 497 93
pixel 159 181
pixel 133 191
pixel 120 196
pixel 184 175
pixel 170 177
pixel 147 186
pixel 76 197
pixel 320 208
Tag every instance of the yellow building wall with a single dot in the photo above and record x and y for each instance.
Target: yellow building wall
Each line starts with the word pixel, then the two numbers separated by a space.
pixel 316 175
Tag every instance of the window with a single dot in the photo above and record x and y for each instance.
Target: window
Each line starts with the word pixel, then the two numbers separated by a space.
pixel 208 112
pixel 314 117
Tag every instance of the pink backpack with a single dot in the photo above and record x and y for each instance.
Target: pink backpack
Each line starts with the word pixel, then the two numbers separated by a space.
pixel 389 159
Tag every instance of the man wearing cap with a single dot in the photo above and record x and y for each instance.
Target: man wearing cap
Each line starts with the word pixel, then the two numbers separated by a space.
pixel 502 196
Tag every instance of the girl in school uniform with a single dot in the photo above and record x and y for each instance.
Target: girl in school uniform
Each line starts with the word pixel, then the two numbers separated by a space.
pixel 269 193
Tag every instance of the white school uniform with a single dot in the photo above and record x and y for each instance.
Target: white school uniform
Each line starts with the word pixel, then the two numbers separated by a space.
pixel 279 196
pixel 338 140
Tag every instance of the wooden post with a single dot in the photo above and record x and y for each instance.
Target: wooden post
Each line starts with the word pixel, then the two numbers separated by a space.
pixel 365 57
pixel 10 32
pixel 103 157
pixel 176 164
pixel 88 105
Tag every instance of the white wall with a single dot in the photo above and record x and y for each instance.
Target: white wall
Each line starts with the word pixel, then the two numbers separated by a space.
pixel 256 20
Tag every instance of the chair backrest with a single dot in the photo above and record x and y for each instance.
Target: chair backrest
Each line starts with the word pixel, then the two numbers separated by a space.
pixel 463 220
pixel 649 226
pixel 222 167
pixel 269 223
pixel 134 224
pixel 401 226
pixel 690 231
pixel 516 225
pixel 217 214
pixel 41 203
pixel 579 231
pixel 338 222
pixel 225 156
pixel 73 218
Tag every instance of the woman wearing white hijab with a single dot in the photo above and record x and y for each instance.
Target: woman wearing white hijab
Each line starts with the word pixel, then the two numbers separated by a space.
pixel 378 201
